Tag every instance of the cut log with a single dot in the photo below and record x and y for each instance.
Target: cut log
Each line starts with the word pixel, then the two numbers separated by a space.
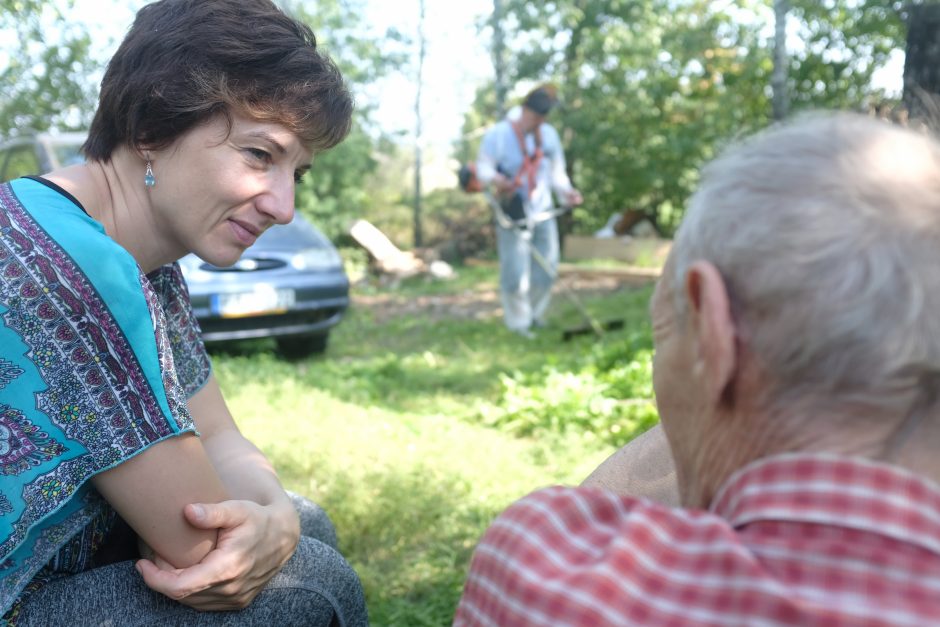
pixel 387 258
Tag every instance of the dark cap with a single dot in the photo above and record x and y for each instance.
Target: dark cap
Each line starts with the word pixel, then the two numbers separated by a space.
pixel 540 100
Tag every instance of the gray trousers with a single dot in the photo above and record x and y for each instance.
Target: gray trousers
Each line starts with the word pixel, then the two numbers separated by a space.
pixel 525 286
pixel 316 587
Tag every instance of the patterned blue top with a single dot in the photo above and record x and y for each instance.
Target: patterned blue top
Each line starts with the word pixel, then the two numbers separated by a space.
pixel 97 361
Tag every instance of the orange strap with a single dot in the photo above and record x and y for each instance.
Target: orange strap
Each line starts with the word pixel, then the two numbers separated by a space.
pixel 530 163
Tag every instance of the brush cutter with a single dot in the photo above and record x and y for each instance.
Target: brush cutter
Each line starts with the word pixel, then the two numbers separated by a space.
pixel 523 228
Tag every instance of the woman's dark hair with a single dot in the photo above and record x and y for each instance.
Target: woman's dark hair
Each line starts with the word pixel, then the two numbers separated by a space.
pixel 185 61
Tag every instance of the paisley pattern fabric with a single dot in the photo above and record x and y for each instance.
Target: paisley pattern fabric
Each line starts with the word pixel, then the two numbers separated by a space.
pixel 167 287
pixel 97 361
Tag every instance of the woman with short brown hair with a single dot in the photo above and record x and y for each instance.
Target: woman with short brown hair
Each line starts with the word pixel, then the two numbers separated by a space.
pixel 117 451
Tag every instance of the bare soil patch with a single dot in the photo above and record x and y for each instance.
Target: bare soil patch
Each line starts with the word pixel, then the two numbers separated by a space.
pixel 483 301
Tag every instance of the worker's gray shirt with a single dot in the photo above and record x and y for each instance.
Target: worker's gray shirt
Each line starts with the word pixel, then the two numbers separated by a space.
pixel 500 151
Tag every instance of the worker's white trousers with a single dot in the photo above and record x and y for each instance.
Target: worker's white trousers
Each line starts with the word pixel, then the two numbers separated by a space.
pixel 525 286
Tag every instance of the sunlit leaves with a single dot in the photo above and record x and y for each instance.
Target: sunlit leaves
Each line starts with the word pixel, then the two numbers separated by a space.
pixel 45 82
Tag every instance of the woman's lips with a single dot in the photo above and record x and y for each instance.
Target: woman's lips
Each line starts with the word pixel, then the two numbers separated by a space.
pixel 244 232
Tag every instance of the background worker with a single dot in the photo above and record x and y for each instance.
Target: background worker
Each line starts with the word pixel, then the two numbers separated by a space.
pixel 524 161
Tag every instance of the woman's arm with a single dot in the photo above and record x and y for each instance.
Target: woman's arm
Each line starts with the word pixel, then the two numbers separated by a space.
pixel 150 491
pixel 258 529
pixel 643 468
pixel 245 471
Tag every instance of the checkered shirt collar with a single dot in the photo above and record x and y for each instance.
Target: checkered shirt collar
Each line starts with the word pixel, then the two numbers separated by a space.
pixel 832 490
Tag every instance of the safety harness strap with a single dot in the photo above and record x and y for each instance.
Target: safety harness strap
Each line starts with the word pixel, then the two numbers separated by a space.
pixel 530 163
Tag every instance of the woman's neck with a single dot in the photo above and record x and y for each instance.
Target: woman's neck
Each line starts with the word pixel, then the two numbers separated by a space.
pixel 107 191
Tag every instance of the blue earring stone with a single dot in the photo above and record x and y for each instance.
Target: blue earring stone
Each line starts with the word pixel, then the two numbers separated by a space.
pixel 149 181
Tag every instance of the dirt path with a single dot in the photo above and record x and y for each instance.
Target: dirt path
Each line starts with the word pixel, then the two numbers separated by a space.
pixel 483 302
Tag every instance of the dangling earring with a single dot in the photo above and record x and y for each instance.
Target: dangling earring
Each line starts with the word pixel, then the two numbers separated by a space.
pixel 149 181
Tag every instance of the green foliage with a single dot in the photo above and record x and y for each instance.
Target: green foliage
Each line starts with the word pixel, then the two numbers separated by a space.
pixel 458 224
pixel 44 86
pixel 608 398
pixel 333 194
pixel 340 30
pixel 455 223
pixel 844 44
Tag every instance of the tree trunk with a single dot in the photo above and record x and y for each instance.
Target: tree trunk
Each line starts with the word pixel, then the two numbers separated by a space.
pixel 778 80
pixel 922 65
pixel 418 238
pixel 572 70
pixel 499 58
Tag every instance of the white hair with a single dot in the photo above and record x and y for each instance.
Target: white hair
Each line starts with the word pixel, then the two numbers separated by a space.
pixel 827 233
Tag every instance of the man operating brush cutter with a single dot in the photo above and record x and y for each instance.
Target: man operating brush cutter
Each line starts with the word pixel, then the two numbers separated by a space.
pixel 522 161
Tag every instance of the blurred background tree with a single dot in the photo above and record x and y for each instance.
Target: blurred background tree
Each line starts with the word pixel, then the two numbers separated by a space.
pixel 44 84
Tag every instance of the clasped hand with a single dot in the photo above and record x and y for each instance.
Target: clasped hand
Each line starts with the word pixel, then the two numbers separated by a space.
pixel 253 544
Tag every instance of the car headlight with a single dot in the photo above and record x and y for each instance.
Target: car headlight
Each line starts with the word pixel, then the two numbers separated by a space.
pixel 316 259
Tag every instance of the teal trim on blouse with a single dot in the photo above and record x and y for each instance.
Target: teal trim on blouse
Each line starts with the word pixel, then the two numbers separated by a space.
pixel 110 268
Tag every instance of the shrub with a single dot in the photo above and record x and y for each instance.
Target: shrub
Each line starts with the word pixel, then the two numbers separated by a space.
pixel 609 397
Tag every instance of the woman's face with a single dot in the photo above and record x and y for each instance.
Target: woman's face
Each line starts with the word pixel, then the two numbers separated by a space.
pixel 217 191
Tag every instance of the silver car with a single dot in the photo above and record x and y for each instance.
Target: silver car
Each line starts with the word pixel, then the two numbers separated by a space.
pixel 290 284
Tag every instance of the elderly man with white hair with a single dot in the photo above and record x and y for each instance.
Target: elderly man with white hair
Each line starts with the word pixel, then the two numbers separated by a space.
pixel 797 373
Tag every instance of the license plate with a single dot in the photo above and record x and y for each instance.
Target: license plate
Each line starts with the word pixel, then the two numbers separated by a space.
pixel 262 300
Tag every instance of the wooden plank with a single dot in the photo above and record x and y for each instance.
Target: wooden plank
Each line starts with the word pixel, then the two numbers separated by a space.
pixel 627 275
pixel 647 250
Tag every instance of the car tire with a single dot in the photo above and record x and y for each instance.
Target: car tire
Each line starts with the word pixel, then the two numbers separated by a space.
pixel 300 346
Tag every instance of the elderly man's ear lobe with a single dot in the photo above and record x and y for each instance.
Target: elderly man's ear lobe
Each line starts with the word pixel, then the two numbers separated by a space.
pixel 712 326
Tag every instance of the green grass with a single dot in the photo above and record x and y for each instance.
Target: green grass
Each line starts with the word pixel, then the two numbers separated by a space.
pixel 415 431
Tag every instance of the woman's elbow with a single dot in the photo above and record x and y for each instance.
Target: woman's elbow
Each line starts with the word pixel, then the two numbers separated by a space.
pixel 180 554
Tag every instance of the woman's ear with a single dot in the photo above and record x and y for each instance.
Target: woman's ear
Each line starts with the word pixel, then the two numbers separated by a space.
pixel 713 327
pixel 143 151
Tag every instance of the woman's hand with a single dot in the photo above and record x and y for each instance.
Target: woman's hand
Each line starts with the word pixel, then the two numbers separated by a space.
pixel 254 542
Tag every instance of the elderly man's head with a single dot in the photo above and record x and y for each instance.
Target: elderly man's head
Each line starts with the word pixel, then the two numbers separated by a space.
pixel 800 307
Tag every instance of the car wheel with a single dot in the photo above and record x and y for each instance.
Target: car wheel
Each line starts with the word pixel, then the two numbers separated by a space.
pixel 300 346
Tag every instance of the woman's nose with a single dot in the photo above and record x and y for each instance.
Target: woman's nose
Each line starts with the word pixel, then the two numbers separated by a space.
pixel 278 202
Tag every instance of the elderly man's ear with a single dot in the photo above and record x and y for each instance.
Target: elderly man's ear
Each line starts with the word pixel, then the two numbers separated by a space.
pixel 712 325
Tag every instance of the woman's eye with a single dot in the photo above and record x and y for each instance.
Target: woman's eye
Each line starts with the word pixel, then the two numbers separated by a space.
pixel 259 154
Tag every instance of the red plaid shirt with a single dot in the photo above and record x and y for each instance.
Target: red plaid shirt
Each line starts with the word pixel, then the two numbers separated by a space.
pixel 790 540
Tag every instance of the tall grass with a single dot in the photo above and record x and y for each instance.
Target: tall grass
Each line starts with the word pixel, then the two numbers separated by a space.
pixel 415 430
